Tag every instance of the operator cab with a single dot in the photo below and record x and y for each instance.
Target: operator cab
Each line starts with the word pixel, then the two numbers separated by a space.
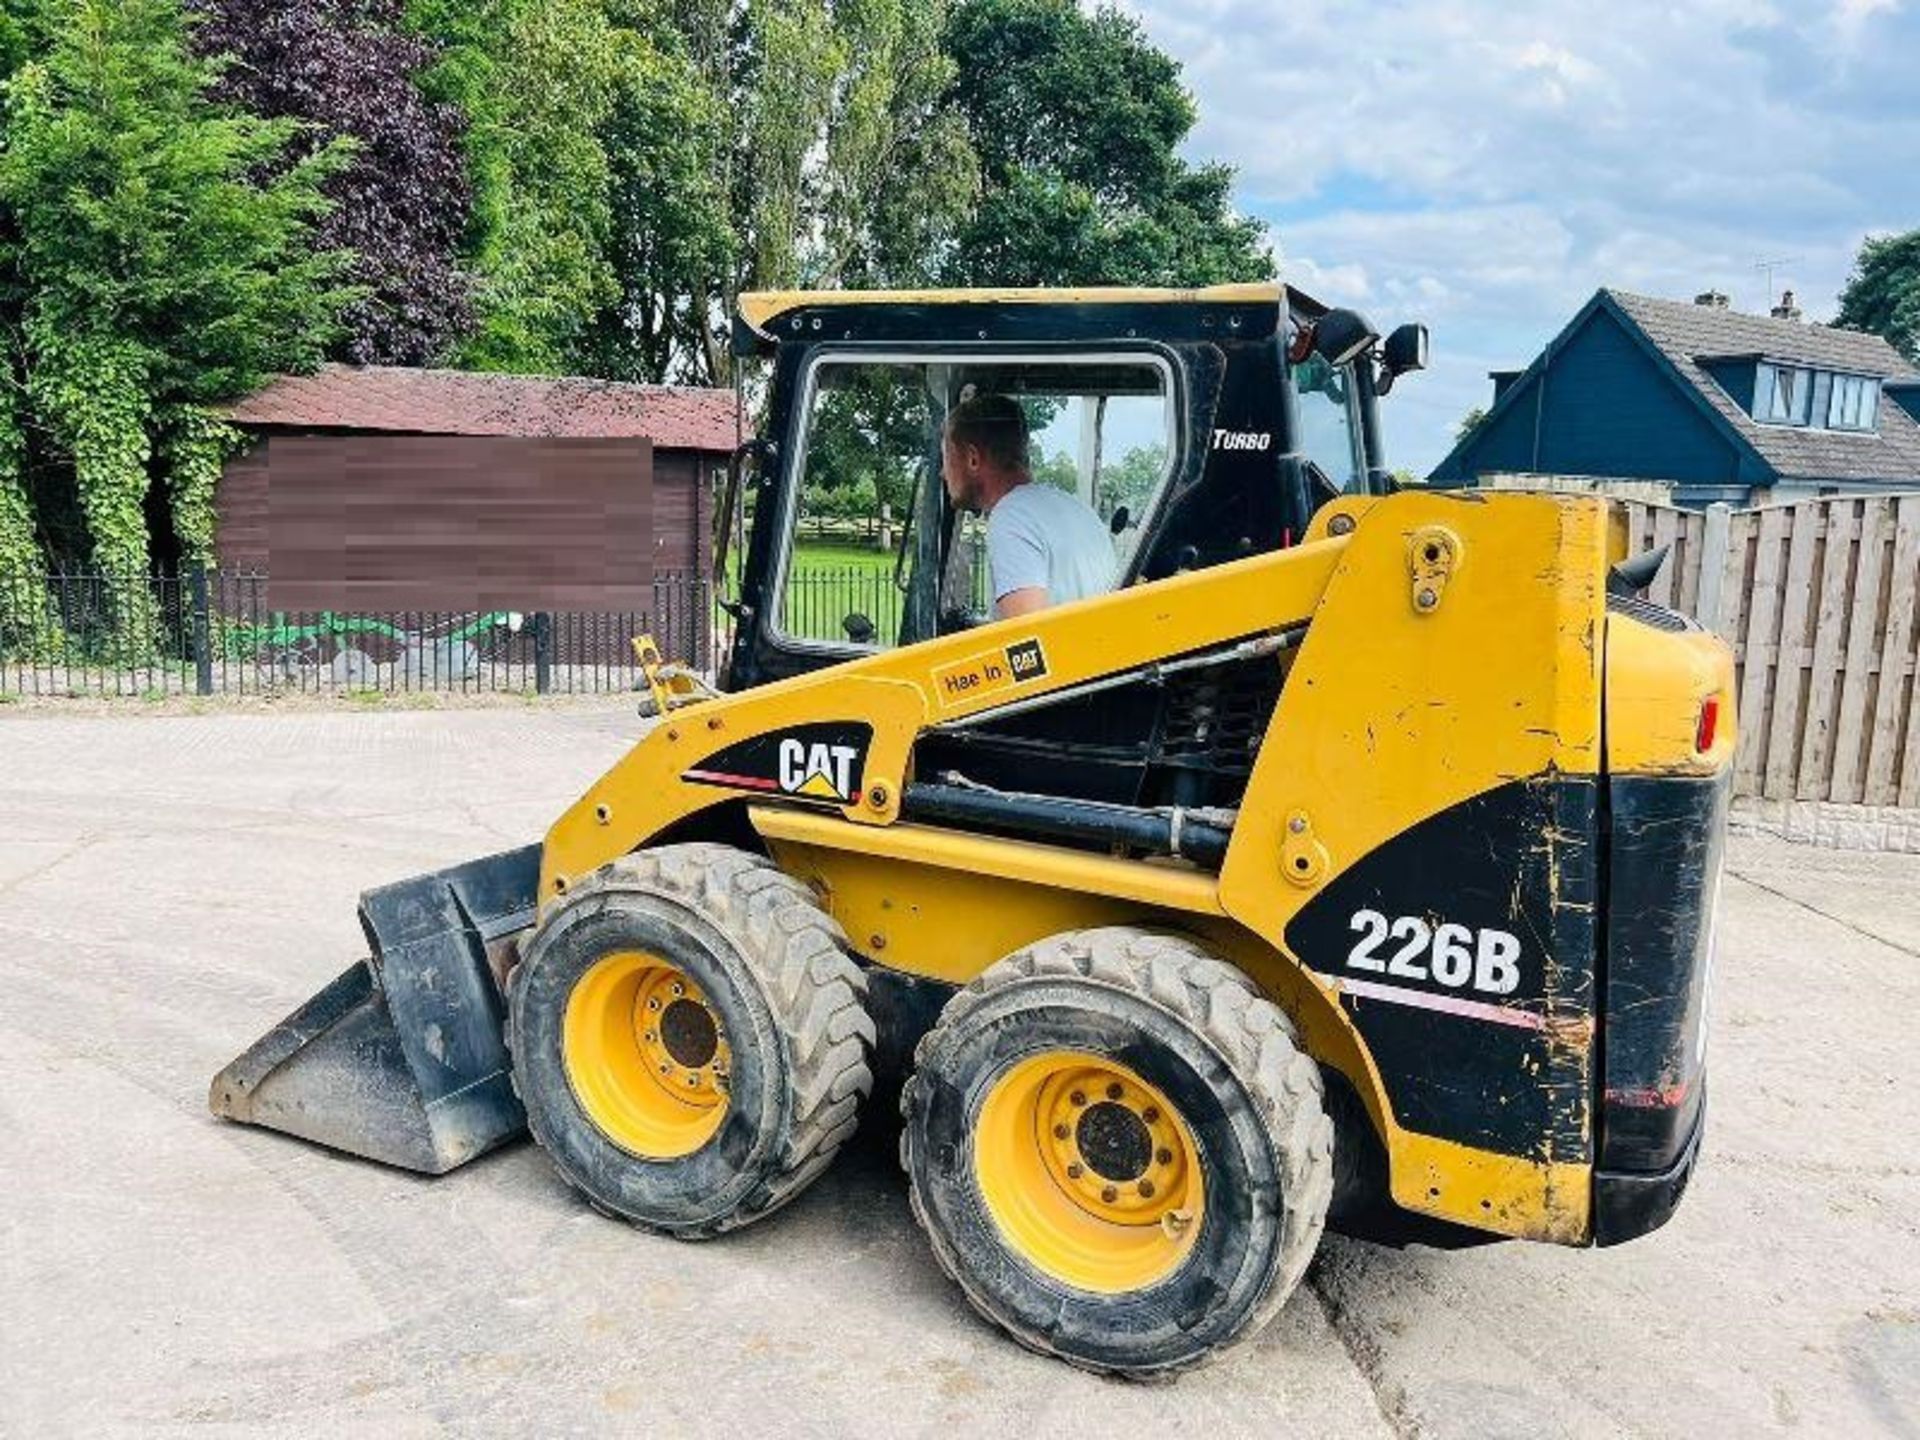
pixel 1200 426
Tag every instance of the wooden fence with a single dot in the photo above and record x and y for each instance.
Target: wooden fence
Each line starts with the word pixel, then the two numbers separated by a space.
pixel 1821 602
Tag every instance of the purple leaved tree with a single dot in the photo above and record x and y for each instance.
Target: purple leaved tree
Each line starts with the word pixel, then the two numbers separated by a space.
pixel 403 204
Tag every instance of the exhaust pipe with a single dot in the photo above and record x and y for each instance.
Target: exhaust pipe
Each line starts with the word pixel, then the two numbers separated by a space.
pixel 403 1057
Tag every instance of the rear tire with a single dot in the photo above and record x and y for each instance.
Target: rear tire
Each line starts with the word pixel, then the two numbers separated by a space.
pixel 690 1039
pixel 1118 1149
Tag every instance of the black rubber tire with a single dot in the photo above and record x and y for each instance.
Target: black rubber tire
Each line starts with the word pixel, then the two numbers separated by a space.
pixel 773 966
pixel 1198 1030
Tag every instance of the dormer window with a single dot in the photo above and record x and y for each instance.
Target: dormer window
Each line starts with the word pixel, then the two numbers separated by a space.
pixel 1821 399
pixel 1783 396
pixel 1854 404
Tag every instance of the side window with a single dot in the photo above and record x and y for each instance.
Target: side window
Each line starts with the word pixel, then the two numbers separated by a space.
pixel 1099 429
pixel 1324 400
pixel 871 438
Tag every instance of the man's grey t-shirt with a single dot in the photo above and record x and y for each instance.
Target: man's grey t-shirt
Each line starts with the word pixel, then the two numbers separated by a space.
pixel 1037 535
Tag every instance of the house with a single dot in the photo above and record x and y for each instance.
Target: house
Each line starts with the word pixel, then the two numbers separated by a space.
pixel 385 489
pixel 1704 402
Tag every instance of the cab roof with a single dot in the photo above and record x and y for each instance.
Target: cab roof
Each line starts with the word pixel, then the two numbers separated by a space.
pixel 760 308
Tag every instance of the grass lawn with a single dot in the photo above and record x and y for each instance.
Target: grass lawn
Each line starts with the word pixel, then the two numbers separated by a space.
pixel 843 555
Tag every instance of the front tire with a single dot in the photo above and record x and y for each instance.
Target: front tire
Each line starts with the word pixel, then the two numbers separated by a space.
pixel 690 1038
pixel 1118 1150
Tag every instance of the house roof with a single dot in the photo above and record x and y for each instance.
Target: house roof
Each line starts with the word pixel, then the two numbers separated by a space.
pixel 1686 334
pixel 454 402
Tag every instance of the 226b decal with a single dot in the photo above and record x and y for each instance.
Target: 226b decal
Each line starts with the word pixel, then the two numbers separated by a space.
pixel 1456 956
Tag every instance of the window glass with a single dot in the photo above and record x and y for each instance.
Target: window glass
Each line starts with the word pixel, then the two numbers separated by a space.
pixel 1100 430
pixel 1327 434
pixel 1783 395
pixel 1855 403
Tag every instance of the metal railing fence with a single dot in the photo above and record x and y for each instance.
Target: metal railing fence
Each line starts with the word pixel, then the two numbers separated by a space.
pixel 82 632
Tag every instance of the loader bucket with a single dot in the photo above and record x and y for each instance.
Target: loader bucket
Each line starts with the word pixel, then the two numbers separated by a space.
pixel 402 1058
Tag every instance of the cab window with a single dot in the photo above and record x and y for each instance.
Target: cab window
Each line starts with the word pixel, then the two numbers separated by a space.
pixel 1329 432
pixel 869 452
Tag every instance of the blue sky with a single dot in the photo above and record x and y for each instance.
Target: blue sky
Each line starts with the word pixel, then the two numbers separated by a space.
pixel 1485 167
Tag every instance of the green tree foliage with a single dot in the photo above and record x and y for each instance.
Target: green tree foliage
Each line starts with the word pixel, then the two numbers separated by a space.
pixel 671 240
pixel 1469 422
pixel 156 270
pixel 536 79
pixel 1077 121
pixel 842 160
pixel 1883 294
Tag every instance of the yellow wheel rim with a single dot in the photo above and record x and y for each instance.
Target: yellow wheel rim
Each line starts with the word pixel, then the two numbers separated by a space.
pixel 646 1056
pixel 1091 1176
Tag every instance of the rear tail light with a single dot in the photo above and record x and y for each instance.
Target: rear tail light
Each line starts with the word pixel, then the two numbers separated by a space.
pixel 1708 725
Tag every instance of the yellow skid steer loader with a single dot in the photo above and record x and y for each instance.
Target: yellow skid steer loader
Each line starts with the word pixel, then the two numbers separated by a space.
pixel 1354 857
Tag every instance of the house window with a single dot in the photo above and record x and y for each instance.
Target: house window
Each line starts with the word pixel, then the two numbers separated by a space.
pixel 1854 404
pixel 1783 395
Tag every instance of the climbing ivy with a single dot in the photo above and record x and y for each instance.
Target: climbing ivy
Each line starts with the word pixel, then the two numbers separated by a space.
pixel 162 245
pixel 194 444
pixel 18 553
pixel 91 392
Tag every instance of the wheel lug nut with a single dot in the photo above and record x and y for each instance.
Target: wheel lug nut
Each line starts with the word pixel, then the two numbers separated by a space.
pixel 653 1002
pixel 1074 1172
pixel 665 1068
pixel 1150 1114
pixel 1146 1189
pixel 1114 1092
pixel 1109 1194
pixel 1163 1156
pixel 693 1082
pixel 678 988
pixel 1078 1097
pixel 1060 1132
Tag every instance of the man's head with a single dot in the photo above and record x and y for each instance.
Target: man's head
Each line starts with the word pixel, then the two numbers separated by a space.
pixel 984 450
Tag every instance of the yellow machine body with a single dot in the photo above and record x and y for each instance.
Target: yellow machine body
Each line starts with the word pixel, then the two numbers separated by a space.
pixel 1449 646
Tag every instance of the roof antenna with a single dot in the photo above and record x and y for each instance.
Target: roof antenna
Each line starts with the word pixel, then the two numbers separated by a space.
pixel 1765 269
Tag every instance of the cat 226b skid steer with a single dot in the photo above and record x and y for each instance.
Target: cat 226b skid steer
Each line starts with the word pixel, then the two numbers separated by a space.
pixel 1356 854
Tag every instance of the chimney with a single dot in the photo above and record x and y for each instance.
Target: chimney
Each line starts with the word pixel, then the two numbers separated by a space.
pixel 1712 299
pixel 1786 309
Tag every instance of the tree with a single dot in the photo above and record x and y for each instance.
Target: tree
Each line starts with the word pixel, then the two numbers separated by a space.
pixel 156 272
pixel 844 161
pixel 401 204
pixel 1077 121
pixel 1883 294
pixel 1469 422
pixel 536 81
pixel 670 234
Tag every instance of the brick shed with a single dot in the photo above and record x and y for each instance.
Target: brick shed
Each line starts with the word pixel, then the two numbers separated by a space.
pixel 393 489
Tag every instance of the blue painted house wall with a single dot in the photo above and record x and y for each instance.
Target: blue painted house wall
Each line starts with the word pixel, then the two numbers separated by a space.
pixel 1598 402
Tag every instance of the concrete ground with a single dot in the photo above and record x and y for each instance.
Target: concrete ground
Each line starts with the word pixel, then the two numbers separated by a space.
pixel 171 885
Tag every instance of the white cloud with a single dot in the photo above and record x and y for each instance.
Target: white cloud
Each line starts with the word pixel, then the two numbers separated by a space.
pixel 1487 166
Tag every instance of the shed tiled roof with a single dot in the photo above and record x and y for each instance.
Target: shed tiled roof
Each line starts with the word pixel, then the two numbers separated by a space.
pixel 454 402
pixel 1688 333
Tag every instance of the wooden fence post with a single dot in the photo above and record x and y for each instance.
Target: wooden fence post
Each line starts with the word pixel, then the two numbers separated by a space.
pixel 1709 609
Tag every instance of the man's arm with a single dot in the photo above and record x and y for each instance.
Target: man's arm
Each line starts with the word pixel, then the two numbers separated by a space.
pixel 1016 560
pixel 1023 601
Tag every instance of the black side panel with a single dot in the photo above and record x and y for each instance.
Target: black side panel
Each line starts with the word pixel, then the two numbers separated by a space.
pixel 1465 948
pixel 1663 871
